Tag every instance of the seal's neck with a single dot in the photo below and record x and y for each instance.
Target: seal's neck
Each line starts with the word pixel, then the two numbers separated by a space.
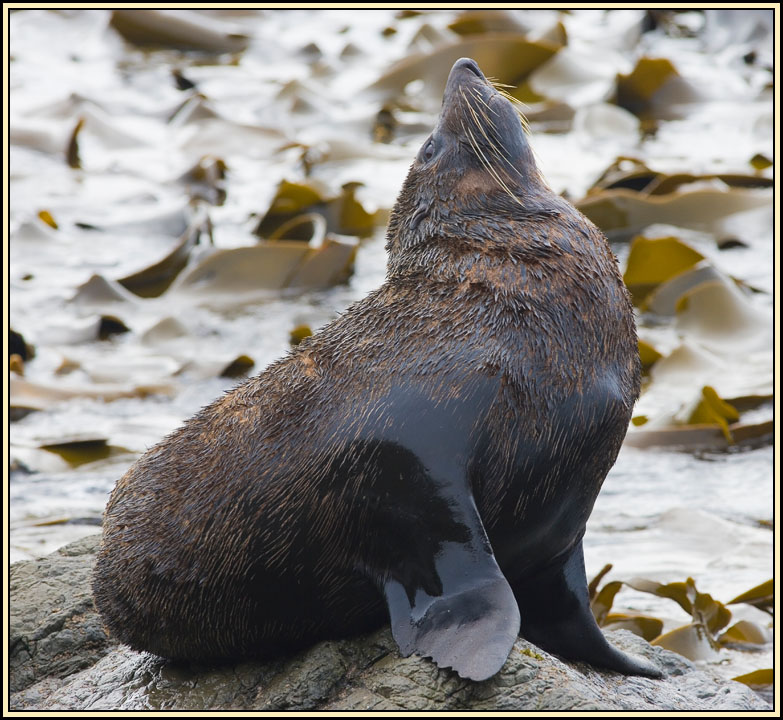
pixel 539 250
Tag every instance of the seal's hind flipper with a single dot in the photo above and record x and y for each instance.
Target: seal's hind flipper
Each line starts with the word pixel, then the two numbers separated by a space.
pixel 556 616
pixel 470 627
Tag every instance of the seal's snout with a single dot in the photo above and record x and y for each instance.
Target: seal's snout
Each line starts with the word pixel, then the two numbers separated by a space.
pixel 465 72
pixel 468 64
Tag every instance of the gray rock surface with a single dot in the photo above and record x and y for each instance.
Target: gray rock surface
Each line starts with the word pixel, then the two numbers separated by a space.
pixel 53 627
pixel 61 659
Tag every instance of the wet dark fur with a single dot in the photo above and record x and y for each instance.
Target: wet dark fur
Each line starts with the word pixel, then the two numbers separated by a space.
pixel 501 349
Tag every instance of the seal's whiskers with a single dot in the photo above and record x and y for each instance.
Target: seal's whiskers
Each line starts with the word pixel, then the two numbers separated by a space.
pixel 492 149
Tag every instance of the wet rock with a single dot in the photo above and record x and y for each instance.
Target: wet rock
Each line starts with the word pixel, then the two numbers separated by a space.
pixel 62 660
pixel 54 630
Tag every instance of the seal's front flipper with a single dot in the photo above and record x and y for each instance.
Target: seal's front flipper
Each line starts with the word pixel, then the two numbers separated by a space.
pixel 425 546
pixel 556 616
pixel 470 626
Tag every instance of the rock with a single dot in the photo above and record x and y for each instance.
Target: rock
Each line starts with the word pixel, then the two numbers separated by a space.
pixel 61 659
pixel 54 629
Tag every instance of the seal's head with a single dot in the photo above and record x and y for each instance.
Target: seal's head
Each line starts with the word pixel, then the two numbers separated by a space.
pixel 480 128
pixel 478 149
pixel 475 168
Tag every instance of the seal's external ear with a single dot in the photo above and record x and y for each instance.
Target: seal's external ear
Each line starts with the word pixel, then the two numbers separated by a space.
pixel 422 211
pixel 470 627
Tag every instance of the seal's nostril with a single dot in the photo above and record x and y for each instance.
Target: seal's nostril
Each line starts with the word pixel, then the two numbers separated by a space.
pixel 468 64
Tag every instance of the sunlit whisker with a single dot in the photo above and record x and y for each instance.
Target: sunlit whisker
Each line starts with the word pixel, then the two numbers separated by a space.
pixel 487 166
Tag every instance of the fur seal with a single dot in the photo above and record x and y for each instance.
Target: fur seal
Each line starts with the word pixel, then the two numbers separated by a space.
pixel 430 457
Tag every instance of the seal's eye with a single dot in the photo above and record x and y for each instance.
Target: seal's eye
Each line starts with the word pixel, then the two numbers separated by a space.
pixel 428 151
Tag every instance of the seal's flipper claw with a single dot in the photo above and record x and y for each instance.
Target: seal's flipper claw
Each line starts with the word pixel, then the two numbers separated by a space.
pixel 470 627
pixel 556 616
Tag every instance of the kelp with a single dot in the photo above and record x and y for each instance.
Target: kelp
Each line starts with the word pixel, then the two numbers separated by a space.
pixel 692 641
pixel 648 355
pixel 711 409
pixel 719 316
pixel 196 107
pixel 41 135
pixel 653 261
pixel 16 364
pixel 17 345
pixel 329 265
pixel 79 451
pixel 239 367
pixel 760 162
pixel 647 78
pixel 629 195
pixel 163 331
pixel 700 437
pixel 42 396
pixel 67 366
pixel 575 76
pixel 601 602
pixel 145 219
pixel 89 327
pixel 308 227
pixel 299 253
pixel 700 639
pixel 118 367
pixel 109 131
pixel 664 299
pixel 206 180
pixel 72 156
pixel 272 265
pixel 100 291
pixel 605 122
pixel 46 216
pixel 643 625
pixel 555 34
pixel 155 279
pixel 707 421
pixel 758 679
pixel 181 29
pixel 181 81
pixel 385 125
pixel 683 403
pixel 621 213
pixel 205 135
pixel 745 634
pixel 299 333
pixel 110 325
pixel 760 596
pixel 343 213
pixel 654 89
pixel 477 22
pixel 549 116
pixel 95 521
pixel 508 57
pixel 705 610
pixel 625 172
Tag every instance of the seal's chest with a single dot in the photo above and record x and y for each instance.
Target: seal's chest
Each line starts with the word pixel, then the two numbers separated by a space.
pixel 546 449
